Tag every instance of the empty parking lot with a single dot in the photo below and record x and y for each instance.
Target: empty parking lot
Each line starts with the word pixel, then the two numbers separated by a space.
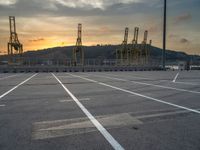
pixel 144 110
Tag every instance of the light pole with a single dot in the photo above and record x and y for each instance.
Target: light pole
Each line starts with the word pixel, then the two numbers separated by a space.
pixel 164 34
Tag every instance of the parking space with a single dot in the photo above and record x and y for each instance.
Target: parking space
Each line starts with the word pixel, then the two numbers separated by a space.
pixel 100 110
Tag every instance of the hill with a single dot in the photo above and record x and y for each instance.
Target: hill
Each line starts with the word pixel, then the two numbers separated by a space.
pixel 104 52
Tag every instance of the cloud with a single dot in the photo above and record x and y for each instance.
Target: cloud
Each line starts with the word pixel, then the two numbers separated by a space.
pixel 178 38
pixel 184 41
pixel 63 43
pixel 154 28
pixel 37 40
pixel 7 2
pixel 183 17
pixel 3 51
pixel 105 29
pixel 101 4
pixel 29 8
pixel 173 35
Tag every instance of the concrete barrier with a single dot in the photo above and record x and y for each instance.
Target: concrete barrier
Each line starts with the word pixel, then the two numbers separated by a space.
pixel 18 69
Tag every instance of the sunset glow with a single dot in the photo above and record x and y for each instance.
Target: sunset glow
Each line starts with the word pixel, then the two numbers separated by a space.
pixel 48 23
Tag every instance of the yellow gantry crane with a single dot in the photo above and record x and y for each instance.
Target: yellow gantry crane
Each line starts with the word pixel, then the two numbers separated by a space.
pixel 78 53
pixel 15 48
pixel 122 54
pixel 134 49
pixel 14 43
pixel 134 53
pixel 144 48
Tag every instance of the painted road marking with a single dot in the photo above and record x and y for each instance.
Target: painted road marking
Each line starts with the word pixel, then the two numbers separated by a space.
pixel 71 100
pixel 136 77
pixel 176 77
pixel 96 123
pixel 76 126
pixel 118 79
pixel 149 84
pixel 9 76
pixel 62 76
pixel 174 113
pixel 6 93
pixel 166 87
pixel 141 95
pixel 67 127
pixel 186 83
pixel 2 105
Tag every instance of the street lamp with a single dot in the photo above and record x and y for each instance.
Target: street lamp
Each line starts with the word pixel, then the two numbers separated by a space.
pixel 164 34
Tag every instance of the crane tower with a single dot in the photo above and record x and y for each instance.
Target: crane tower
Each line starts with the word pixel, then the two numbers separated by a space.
pixel 14 43
pixel 134 53
pixel 122 54
pixel 78 53
pixel 145 48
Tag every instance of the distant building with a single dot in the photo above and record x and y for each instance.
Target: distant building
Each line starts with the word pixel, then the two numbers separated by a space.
pixel 182 65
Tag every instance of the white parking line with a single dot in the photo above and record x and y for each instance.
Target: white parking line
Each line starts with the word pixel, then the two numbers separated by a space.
pixel 167 87
pixel 6 93
pixel 141 95
pixel 96 123
pixel 9 76
pixel 136 77
pixel 118 79
pixel 186 83
pixel 175 77
pixel 2 105
pixel 71 100
pixel 149 84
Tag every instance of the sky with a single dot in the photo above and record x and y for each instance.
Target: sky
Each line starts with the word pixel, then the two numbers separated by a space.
pixel 49 23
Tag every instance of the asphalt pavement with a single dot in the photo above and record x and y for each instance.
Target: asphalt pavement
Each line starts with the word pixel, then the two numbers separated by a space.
pixel 141 110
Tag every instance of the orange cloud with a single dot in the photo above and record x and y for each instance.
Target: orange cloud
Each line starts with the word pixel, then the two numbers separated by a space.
pixel 37 40
pixel 183 17
pixel 184 40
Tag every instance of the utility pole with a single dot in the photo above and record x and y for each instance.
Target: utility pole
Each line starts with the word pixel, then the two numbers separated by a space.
pixel 164 34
